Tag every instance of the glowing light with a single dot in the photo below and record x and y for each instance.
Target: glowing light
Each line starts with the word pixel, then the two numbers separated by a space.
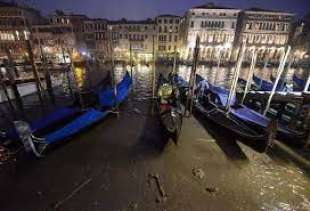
pixel 227 45
pixel 76 56
pixel 79 74
pixel 17 35
pixel 3 70
pixel 26 34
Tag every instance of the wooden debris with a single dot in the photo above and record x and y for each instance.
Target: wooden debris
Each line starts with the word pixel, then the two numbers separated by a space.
pixel 162 194
pixel 73 193
pixel 199 173
pixel 212 190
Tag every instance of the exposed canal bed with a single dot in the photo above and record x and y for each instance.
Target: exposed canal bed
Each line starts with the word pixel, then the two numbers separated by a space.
pixel 115 164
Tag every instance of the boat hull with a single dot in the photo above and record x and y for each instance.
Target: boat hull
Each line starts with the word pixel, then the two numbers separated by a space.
pixel 257 139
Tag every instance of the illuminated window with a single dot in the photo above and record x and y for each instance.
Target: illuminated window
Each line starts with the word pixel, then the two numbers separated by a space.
pixel 175 38
pixel 233 25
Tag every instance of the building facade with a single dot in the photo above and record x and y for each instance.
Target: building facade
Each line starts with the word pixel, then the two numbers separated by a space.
pixel 168 35
pixel 216 27
pixel 139 36
pixel 221 30
pixel 58 36
pixel 96 37
pixel 300 39
pixel 15 24
pixel 265 31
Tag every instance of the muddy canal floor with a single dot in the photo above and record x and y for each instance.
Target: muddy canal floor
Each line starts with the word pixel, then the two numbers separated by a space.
pixel 129 164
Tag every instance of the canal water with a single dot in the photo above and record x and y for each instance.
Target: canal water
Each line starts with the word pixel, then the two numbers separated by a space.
pixel 222 76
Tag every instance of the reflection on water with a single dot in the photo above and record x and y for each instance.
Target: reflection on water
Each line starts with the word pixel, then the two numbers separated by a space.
pixel 142 78
pixel 222 76
pixel 278 185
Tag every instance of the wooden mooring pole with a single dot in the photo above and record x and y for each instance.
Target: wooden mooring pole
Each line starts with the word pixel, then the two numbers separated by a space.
pixel 49 85
pixel 10 69
pixel 307 120
pixel 67 72
pixel 35 72
pixel 192 80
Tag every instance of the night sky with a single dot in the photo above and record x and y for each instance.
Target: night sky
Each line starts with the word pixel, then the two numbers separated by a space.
pixel 141 9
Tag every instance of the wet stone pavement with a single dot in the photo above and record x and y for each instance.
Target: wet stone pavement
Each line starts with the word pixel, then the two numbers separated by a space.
pixel 129 164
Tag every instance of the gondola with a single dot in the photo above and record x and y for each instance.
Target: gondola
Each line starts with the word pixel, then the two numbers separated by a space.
pixel 211 102
pixel 299 84
pixel 215 99
pixel 106 96
pixel 169 108
pixel 66 122
pixel 263 85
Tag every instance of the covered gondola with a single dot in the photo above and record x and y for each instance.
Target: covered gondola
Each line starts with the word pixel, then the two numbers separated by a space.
pixel 211 102
pixel 263 85
pixel 107 98
pixel 216 98
pixel 66 122
pixel 299 84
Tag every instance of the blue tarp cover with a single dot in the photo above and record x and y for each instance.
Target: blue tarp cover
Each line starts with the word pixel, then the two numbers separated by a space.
pixel 57 115
pixel 85 120
pixel 299 83
pixel 222 93
pixel 242 112
pixel 179 81
pixel 249 115
pixel 266 85
pixel 106 97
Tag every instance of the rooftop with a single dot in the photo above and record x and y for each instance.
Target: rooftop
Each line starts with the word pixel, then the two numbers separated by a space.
pixel 125 21
pixel 167 15
pixel 256 9
pixel 14 4
pixel 8 4
pixel 62 13
pixel 212 6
